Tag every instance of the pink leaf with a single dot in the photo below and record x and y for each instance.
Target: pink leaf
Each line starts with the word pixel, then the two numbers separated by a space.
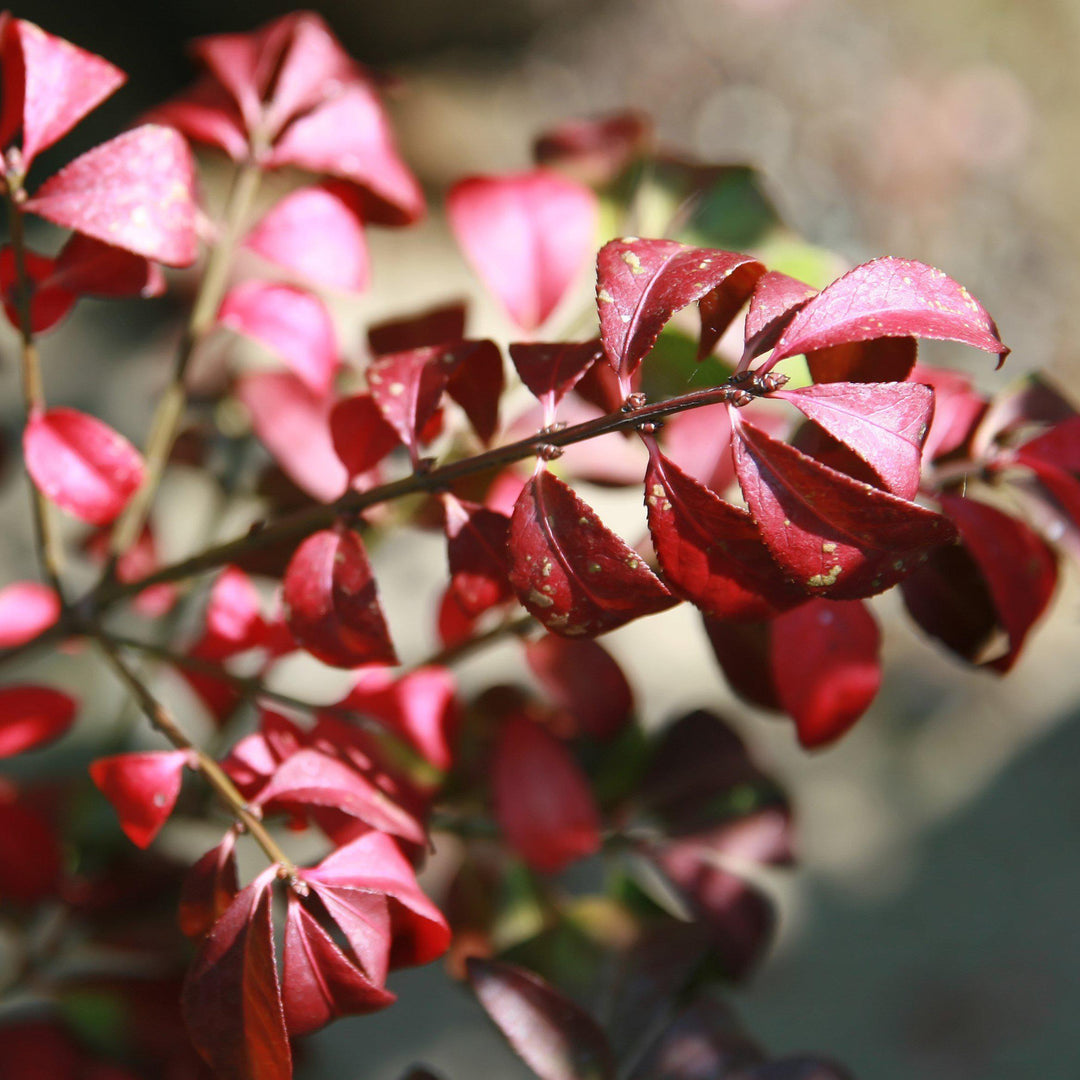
pixel 542 798
pixel 234 613
pixel 320 982
pixel 210 886
pixel 331 605
pixel 640 284
pixel 570 571
pixel 62 84
pixel 826 663
pixel 1020 569
pixel 551 371
pixel 362 437
pixel 142 787
pixel 318 233
pixel 889 298
pixel 312 778
pixel 710 552
pixel 134 192
pixel 373 864
pixel 837 537
pixel 582 678
pixel 292 323
pixel 476 550
pixel 31 716
pixel 231 999
pixel 527 235
pixel 884 423
pixel 555 1037
pixel 26 610
pixel 205 113
pixel 81 464
pixel 349 137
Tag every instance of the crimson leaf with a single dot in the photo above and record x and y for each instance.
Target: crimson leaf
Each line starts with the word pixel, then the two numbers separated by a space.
pixel 142 787
pixel 31 716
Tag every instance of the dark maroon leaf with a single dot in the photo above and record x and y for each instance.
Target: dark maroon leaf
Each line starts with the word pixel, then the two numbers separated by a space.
pixel 319 981
pixel 640 284
pixel 476 550
pixel 826 666
pixel 362 437
pixel 436 326
pixel 1059 447
pixel 709 551
pixel 210 886
pixel 840 538
pixel 1033 400
pixel 331 604
pixel 573 574
pixel 884 423
pixel 231 999
pixel 475 380
pixel 551 371
pixel 584 680
pixel 31 859
pixel 542 798
pixel 889 297
pixel 773 304
pixel 407 387
pixel 595 150
pixel 1019 567
pixel 742 649
pixel 887 359
pixel 552 1035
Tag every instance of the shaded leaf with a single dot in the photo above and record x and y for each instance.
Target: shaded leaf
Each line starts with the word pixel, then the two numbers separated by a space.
pixel 31 860
pixel 742 649
pixel 476 551
pixel 570 571
pixel 205 113
pixel 475 380
pixel 362 437
pixel 552 370
pixel 527 235
pixel 542 798
pixel 838 537
pixel 553 1036
pixel 436 326
pixel 231 999
pixel 826 666
pixel 142 787
pixel 81 464
pixel 887 359
pixel 134 192
pixel 595 149
pixel 773 304
pixel 711 552
pixel 958 410
pixel 32 716
pixel 407 387
pixel 640 284
pixel 210 886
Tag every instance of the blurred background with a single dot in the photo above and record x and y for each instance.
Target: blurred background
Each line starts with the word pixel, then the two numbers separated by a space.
pixel 930 930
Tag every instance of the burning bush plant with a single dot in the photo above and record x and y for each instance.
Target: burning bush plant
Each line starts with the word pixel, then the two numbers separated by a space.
pixel 815 465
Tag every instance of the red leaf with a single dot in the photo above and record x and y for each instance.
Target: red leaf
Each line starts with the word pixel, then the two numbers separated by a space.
pixel 958 409
pixel 527 235
pixel 373 864
pixel 887 359
pixel 89 267
pixel 26 610
pixel 475 380
pixel 710 552
pixel 312 778
pixel 293 423
pixel 1059 447
pixel 542 798
pixel 453 622
pixel 407 387
pixel 743 651
pixel 331 605
pixel 827 667
pixel 437 326
pixel 889 298
pixel 884 423
pixel 231 999
pixel 640 284
pixel 476 551
pixel 773 304
pixel 362 437
pixel 210 886
pixel 551 371
pixel 570 571
pixel 1019 567
pixel 205 113
pixel 320 982
pixel 349 137
pixel 31 716
pixel 234 612
pixel 555 1037
pixel 292 323
pixel 49 303
pixel 62 83
pixel 81 464
pixel 699 442
pixel 595 150
pixel 838 537
pixel 133 192
pixel 318 233
pixel 142 787
pixel 584 680
pixel 31 861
